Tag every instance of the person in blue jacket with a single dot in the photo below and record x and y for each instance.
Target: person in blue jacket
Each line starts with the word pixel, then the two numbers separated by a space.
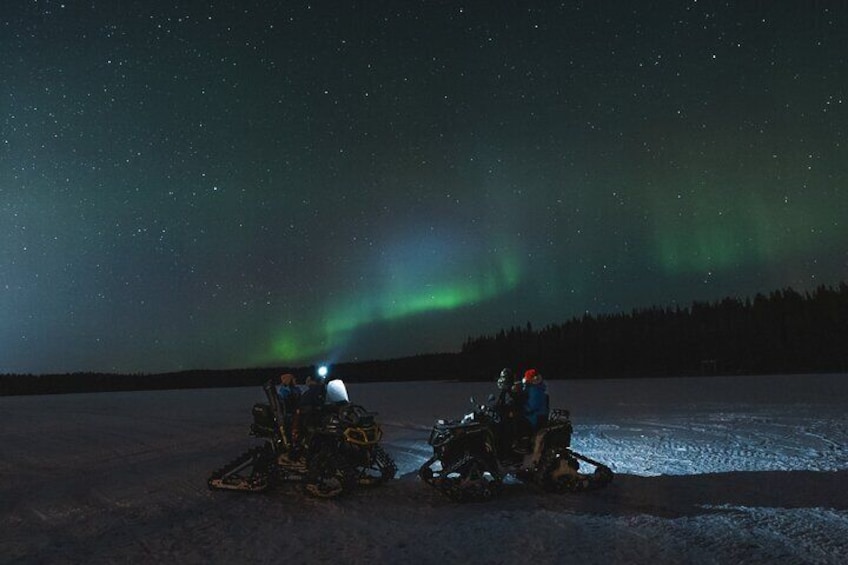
pixel 288 393
pixel 536 399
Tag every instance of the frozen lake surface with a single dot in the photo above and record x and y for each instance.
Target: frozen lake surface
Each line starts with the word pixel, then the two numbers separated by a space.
pixel 708 470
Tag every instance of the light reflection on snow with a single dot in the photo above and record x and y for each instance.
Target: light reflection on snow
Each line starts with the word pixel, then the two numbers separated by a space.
pixel 766 430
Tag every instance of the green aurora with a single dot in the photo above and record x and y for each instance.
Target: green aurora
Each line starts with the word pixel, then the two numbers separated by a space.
pixel 405 297
pixel 717 233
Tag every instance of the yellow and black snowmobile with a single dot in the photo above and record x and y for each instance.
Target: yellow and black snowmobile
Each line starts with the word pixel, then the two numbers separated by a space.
pixel 470 459
pixel 337 450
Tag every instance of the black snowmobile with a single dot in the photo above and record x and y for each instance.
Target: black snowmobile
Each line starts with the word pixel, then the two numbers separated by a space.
pixel 338 452
pixel 471 459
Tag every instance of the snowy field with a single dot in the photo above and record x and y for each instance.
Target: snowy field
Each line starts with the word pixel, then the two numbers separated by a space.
pixel 719 470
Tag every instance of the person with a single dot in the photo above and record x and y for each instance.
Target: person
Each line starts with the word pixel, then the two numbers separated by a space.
pixel 536 403
pixel 509 405
pixel 509 390
pixel 308 406
pixel 288 393
pixel 315 393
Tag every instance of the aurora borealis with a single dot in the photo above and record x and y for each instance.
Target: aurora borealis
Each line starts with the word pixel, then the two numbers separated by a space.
pixel 233 184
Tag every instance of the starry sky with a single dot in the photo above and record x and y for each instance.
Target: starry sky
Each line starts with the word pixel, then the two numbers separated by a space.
pixel 210 184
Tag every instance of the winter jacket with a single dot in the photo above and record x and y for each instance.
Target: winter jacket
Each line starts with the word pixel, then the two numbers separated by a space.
pixel 536 407
pixel 313 397
pixel 289 396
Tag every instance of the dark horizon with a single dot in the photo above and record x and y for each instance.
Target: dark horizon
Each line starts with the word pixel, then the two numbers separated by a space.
pixel 783 332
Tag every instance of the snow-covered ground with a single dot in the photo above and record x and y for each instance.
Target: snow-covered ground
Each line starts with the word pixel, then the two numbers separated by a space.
pixel 716 470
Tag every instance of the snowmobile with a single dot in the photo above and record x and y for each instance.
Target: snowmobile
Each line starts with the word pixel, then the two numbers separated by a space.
pixel 340 451
pixel 471 459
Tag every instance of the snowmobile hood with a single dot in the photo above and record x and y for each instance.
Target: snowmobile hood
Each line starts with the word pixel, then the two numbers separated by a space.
pixel 336 392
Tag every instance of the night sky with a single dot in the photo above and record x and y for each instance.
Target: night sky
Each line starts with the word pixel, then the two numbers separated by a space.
pixel 193 185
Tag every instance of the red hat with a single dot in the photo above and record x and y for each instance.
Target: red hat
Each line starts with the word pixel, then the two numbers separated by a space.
pixel 529 374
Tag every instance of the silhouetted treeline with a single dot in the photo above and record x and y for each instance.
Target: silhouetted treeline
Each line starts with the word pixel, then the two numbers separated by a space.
pixel 437 366
pixel 109 382
pixel 784 332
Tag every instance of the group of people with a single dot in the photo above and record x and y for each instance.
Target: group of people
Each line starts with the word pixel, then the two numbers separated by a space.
pixel 293 397
pixel 299 405
pixel 523 405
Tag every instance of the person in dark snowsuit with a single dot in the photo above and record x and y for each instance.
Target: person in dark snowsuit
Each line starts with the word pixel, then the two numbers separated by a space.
pixel 309 406
pixel 510 392
pixel 314 395
pixel 509 404
pixel 289 396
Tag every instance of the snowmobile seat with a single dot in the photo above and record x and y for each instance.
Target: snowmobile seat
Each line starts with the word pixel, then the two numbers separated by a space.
pixel 263 420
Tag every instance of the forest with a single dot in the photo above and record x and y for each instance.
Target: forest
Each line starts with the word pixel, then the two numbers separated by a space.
pixel 784 332
pixel 779 333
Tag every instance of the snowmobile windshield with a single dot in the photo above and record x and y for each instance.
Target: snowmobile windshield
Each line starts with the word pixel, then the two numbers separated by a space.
pixel 336 392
